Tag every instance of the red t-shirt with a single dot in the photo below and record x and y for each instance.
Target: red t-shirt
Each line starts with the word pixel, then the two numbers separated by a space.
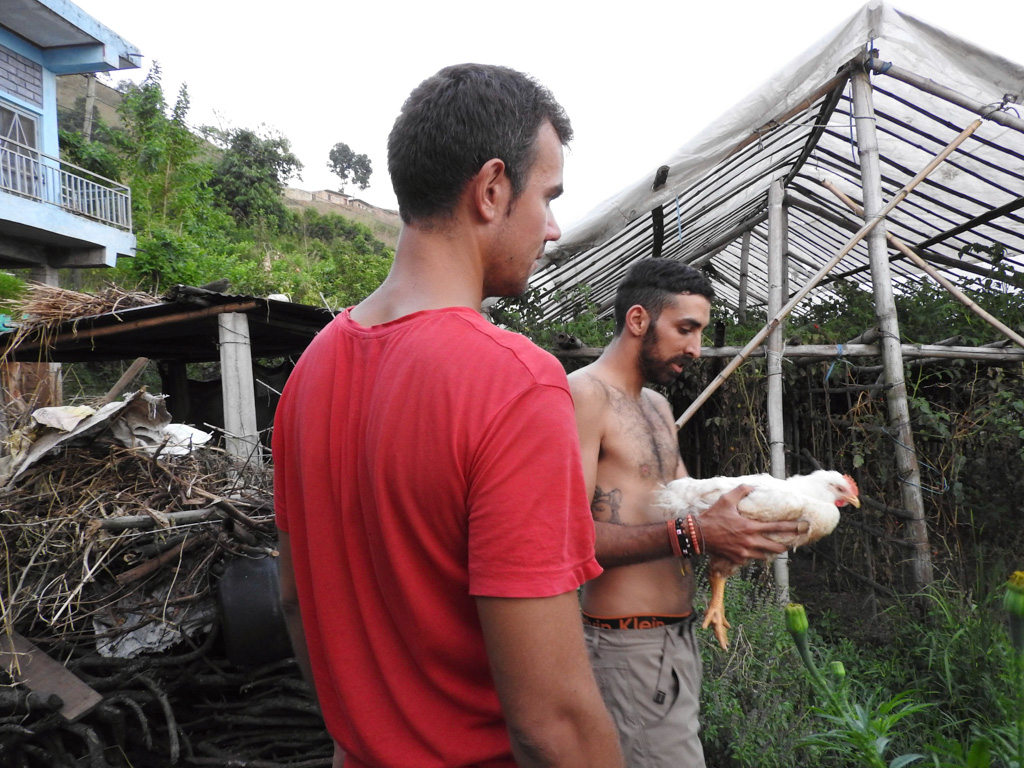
pixel 419 464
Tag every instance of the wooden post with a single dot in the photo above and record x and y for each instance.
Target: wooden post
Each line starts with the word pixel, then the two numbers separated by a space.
pixel 241 437
pixel 777 246
pixel 42 383
pixel 888 326
pixel 122 383
pixel 777 241
pixel 741 308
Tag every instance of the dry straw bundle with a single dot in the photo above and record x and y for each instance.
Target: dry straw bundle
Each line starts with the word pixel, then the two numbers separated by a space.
pixel 44 308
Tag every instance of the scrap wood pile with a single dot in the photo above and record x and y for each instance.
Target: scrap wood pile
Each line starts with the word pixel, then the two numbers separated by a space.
pixel 118 533
pixel 111 562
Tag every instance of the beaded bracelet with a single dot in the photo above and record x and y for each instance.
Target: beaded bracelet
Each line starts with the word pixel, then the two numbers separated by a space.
pixel 692 528
pixel 700 530
pixel 682 544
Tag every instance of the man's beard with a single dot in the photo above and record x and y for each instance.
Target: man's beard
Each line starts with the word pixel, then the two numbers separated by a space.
pixel 654 369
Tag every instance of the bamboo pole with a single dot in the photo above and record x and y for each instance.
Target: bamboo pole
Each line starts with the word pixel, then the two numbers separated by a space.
pixel 907 465
pixel 947 94
pixel 830 351
pixel 122 383
pixel 741 309
pixel 777 245
pixel 844 223
pixel 909 252
pixel 150 322
pixel 723 240
pixel 776 269
pixel 806 289
pixel 756 135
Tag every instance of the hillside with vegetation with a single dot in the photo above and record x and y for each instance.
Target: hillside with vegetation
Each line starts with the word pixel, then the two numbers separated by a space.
pixel 211 206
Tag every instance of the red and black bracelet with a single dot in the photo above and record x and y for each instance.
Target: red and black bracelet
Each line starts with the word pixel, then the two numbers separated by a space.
pixel 679 538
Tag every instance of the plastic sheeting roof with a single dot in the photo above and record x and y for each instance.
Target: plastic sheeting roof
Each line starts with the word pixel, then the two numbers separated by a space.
pixel 799 127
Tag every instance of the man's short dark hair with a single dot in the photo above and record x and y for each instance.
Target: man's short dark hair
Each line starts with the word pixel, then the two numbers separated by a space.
pixel 456 121
pixel 652 283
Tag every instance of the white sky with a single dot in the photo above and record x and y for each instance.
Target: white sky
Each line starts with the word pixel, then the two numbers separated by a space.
pixel 637 79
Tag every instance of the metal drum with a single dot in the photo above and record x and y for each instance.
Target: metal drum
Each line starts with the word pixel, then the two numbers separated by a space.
pixel 252 618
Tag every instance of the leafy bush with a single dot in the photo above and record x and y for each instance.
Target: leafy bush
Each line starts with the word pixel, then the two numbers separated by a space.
pixel 754 699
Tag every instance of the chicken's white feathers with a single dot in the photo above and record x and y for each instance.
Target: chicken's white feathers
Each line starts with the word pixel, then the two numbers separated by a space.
pixel 815 498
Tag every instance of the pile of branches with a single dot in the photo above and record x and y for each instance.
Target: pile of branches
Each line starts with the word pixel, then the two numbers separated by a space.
pixel 111 562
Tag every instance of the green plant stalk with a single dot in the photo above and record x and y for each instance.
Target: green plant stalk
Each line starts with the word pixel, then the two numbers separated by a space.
pixel 796 625
pixel 859 728
pixel 1013 603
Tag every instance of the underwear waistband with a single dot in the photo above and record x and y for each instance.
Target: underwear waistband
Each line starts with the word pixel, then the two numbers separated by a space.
pixel 643 621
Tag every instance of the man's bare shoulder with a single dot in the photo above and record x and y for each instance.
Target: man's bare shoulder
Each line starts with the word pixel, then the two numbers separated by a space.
pixel 588 387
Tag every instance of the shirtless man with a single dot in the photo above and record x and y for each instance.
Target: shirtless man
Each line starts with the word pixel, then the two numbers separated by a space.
pixel 638 614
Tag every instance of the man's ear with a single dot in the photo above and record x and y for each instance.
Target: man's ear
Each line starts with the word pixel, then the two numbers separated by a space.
pixel 490 190
pixel 637 320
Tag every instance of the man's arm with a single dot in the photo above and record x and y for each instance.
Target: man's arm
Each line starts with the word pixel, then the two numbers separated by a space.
pixel 727 533
pixel 723 530
pixel 290 607
pixel 293 621
pixel 547 690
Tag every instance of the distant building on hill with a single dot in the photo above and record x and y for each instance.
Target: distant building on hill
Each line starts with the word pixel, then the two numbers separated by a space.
pixel 337 198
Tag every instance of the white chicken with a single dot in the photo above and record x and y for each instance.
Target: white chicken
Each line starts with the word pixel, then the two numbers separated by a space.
pixel 815 498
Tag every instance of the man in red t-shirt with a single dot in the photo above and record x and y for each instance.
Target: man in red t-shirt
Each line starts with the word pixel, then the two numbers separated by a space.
pixel 434 520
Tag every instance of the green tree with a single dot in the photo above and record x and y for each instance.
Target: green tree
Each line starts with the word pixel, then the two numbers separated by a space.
pixel 159 154
pixel 251 175
pixel 98 155
pixel 350 167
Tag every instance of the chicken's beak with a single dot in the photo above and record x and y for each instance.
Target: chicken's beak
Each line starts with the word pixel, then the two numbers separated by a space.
pixel 852 500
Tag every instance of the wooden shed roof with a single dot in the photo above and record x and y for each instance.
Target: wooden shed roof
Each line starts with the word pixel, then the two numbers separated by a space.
pixel 183 327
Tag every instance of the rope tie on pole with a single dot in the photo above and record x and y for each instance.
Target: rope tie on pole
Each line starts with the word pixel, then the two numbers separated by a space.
pixel 869 61
pixel 1002 106
pixel 839 356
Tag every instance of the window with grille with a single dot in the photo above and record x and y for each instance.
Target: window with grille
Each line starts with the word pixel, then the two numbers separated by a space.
pixel 19 160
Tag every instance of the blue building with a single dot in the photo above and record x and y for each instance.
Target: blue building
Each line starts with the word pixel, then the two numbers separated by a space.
pixel 53 214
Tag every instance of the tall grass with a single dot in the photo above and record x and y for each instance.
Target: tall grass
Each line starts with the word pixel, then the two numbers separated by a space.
pixel 946 690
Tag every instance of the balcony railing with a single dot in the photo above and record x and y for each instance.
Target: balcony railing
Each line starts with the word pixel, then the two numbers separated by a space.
pixel 28 173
